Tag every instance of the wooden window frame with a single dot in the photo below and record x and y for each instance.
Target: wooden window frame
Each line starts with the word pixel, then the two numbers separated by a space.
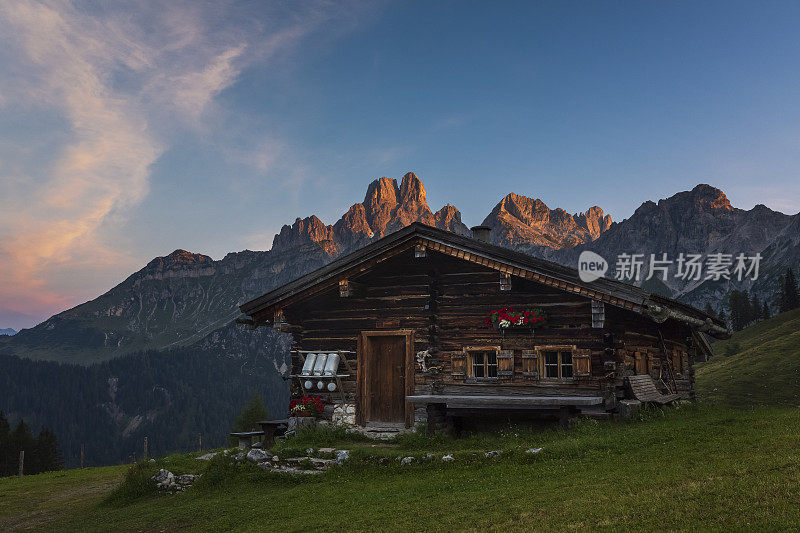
pixel 469 374
pixel 559 348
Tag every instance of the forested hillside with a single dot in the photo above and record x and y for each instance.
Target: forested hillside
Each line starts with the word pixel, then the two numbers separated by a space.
pixel 171 397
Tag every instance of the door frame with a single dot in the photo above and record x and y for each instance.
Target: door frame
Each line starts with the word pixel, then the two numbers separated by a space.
pixel 361 371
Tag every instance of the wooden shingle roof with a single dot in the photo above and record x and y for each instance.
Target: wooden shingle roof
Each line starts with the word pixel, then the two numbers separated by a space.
pixel 498 258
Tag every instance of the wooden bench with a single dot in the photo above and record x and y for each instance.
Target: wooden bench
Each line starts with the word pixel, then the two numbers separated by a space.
pixel 246 438
pixel 440 406
pixel 271 429
pixel 476 401
pixel 644 389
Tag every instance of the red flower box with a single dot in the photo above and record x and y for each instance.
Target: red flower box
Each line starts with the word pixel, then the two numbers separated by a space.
pixel 508 317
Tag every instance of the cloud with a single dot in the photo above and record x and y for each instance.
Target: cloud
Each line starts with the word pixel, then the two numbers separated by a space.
pixel 194 91
pixel 91 97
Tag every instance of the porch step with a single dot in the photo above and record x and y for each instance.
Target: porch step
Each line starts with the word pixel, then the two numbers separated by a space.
pixel 382 430
pixel 597 414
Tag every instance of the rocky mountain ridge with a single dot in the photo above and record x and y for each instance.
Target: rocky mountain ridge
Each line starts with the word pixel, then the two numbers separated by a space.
pixel 521 221
pixel 700 221
pixel 387 207
pixel 180 298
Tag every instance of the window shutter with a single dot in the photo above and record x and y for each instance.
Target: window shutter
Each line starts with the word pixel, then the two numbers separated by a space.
pixel 530 364
pixel 459 365
pixel 582 363
pixel 653 364
pixel 505 364
pixel 641 363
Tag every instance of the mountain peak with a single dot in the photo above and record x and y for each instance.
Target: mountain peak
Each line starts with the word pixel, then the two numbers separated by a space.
pixel 513 202
pixel 382 191
pixel 704 195
pixel 412 190
pixel 303 231
pixel 520 220
pixel 380 203
pixel 178 261
pixel 180 257
pixel 387 207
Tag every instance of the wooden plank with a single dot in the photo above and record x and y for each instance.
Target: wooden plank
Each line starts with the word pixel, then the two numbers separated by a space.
pixel 476 400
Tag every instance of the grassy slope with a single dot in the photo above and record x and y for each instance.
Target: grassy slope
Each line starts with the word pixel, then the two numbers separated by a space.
pixel 683 469
pixel 765 367
pixel 37 502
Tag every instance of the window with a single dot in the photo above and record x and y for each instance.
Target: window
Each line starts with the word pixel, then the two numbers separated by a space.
pixel 475 364
pixel 484 364
pixel 677 361
pixel 557 364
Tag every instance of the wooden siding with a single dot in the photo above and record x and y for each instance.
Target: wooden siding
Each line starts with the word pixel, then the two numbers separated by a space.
pixel 444 299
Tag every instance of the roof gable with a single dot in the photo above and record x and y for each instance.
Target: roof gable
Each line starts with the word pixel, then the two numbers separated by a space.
pixel 497 258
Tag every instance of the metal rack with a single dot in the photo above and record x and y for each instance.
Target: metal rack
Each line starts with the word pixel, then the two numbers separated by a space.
pixel 336 377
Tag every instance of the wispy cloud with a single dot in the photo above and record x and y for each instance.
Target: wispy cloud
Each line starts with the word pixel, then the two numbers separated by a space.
pixel 102 93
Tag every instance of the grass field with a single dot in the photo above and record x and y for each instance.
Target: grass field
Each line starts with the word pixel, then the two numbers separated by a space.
pixel 684 468
pixel 730 462
pixel 759 365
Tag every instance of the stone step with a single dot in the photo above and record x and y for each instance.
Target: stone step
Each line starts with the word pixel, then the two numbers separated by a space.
pixel 316 462
pixel 288 469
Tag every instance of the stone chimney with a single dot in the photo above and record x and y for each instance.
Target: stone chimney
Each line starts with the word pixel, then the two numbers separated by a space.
pixel 481 233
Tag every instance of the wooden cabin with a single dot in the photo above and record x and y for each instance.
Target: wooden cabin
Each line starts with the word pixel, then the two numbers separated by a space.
pixel 407 317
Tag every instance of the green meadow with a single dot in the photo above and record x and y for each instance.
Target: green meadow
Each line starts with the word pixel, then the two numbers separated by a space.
pixel 729 462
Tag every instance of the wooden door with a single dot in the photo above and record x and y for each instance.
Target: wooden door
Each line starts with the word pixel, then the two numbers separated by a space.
pixel 383 361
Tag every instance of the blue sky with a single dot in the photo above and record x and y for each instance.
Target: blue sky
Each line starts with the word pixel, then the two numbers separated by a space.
pixel 127 132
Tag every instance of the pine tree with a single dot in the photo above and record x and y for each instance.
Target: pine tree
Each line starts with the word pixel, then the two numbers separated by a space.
pixel 5 446
pixel 780 302
pixel 47 455
pixel 251 414
pixel 755 306
pixel 739 304
pixel 709 310
pixel 21 440
pixel 792 299
pixel 765 312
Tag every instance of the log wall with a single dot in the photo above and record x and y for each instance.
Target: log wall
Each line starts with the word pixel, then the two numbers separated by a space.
pixel 445 302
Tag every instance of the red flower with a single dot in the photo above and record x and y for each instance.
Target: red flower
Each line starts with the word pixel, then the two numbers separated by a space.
pixel 312 404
